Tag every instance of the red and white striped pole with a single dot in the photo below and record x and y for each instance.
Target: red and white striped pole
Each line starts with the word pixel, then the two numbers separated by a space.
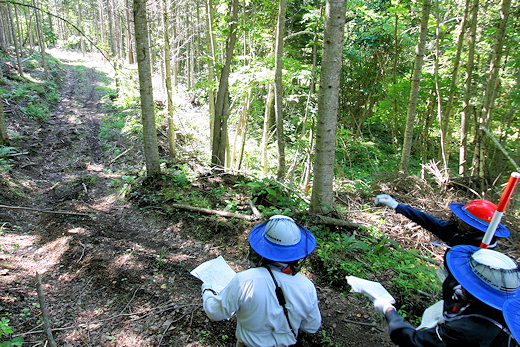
pixel 497 216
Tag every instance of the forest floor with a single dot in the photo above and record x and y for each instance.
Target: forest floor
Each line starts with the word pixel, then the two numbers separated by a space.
pixel 116 272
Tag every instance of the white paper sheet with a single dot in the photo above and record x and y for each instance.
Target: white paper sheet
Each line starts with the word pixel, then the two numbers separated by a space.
pixel 372 290
pixel 432 316
pixel 217 273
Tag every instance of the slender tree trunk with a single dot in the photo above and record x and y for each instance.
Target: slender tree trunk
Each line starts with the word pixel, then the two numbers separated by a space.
pixel 278 89
pixel 448 110
pixel 41 42
pixel 176 49
pixel 394 79
pixel 268 115
pixel 168 79
pixel 151 149
pixel 210 42
pixel 4 138
pixel 218 148
pixel 322 199
pixel 79 24
pixel 438 91
pixel 414 91
pixel 241 133
pixel 304 128
pixel 16 41
pixel 491 85
pixel 129 41
pixel 466 104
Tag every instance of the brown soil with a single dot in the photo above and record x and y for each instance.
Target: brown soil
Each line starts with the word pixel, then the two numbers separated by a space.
pixel 119 274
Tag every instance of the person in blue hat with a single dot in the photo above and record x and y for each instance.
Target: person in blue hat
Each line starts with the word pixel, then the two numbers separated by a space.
pixel 512 316
pixel 272 301
pixel 467 227
pixel 486 309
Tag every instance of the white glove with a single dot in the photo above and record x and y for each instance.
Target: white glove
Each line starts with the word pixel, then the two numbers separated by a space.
pixel 208 287
pixel 383 305
pixel 387 200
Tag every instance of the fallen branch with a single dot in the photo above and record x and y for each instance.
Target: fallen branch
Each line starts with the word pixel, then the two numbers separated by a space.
pixel 340 222
pixel 45 312
pixel 361 323
pixel 206 210
pixel 254 209
pixel 120 155
pixel 44 211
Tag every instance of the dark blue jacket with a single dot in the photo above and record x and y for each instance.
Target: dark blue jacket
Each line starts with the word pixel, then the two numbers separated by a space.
pixel 478 326
pixel 447 231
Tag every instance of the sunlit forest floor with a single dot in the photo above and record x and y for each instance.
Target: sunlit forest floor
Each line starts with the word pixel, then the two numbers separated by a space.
pixel 115 267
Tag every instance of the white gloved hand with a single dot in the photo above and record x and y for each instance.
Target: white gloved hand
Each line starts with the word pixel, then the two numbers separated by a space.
pixel 383 305
pixel 387 200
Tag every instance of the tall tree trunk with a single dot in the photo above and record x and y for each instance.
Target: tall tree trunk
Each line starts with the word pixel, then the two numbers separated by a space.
pixel 241 133
pixel 218 148
pixel 491 85
pixel 4 138
pixel 305 131
pixel 129 41
pixel 151 149
pixel 16 41
pixel 322 199
pixel 278 89
pixel 448 110
pixel 41 42
pixel 394 79
pixel 466 103
pixel 79 24
pixel 210 42
pixel 438 92
pixel 268 115
pixel 414 90
pixel 168 80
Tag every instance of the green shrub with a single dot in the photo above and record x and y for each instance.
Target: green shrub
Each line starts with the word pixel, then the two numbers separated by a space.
pixel 405 274
pixel 5 331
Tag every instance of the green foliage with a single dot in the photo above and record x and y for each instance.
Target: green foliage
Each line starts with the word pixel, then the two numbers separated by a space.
pixel 5 331
pixel 359 158
pixel 404 273
pixel 123 184
pixel 271 197
pixel 326 340
pixel 5 161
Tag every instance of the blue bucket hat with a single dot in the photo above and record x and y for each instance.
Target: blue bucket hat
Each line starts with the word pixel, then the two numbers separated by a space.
pixel 512 317
pixel 460 211
pixel 281 239
pixel 490 276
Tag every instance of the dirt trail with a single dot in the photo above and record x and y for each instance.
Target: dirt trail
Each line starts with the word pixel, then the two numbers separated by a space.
pixel 119 276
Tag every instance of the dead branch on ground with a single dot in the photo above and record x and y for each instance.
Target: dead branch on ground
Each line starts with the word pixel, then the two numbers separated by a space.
pixel 44 211
pixel 45 312
pixel 207 210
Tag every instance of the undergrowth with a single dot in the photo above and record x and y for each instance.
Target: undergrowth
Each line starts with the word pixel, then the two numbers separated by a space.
pixel 406 274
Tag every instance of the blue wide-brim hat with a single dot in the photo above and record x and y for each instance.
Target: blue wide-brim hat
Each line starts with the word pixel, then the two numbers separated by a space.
pixel 277 252
pixel 462 213
pixel 512 316
pixel 458 260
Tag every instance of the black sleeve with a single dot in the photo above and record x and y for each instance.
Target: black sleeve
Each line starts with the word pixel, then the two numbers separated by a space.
pixel 405 335
pixel 465 331
pixel 443 229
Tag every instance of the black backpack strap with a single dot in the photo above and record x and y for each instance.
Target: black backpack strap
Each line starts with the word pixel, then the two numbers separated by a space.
pixel 281 298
